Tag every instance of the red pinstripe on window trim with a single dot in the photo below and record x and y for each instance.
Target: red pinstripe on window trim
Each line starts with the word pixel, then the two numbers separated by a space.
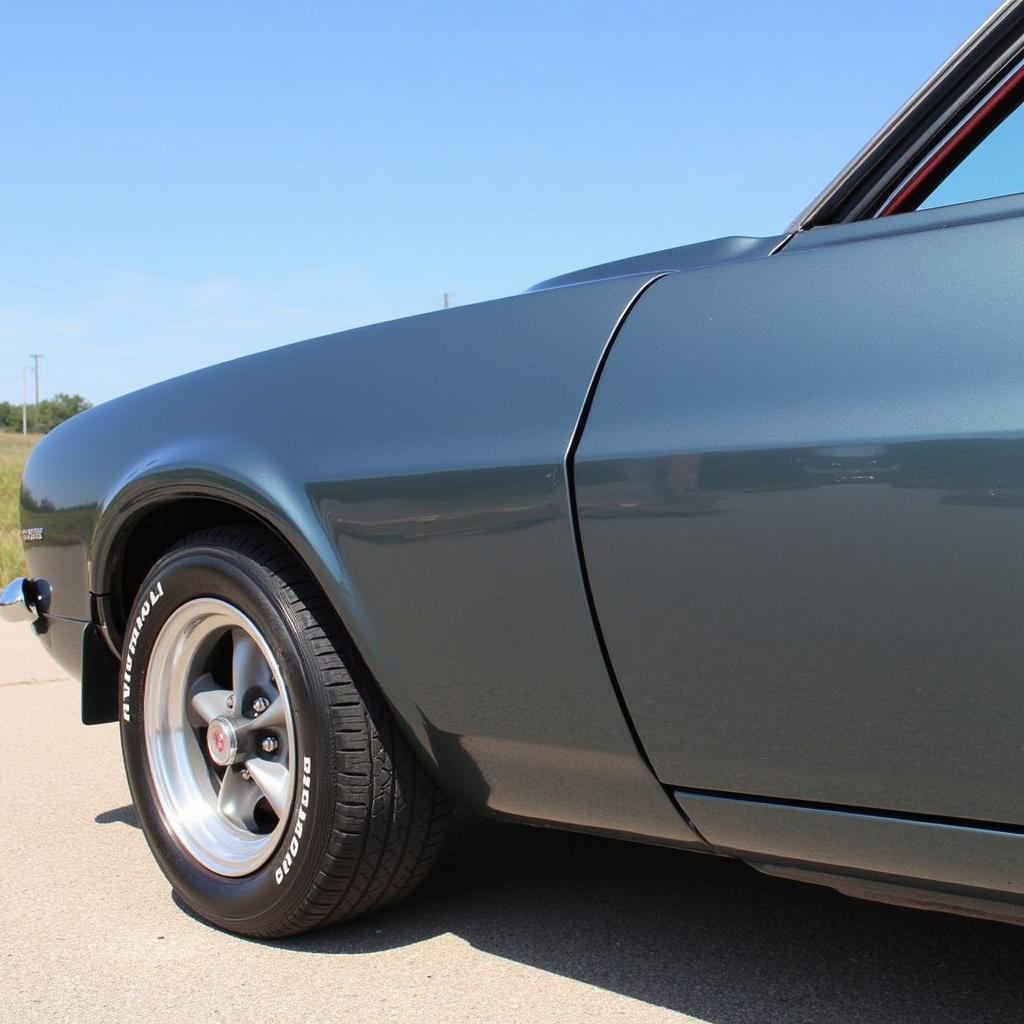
pixel 967 137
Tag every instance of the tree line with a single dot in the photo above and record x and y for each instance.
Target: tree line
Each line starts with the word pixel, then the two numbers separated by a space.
pixel 42 418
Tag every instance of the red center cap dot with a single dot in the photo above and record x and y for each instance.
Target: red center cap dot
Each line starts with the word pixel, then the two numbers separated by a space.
pixel 220 742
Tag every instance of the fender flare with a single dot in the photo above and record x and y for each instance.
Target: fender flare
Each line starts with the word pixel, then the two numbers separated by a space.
pixel 267 496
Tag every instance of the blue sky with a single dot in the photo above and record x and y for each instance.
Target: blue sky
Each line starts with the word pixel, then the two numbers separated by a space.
pixel 183 183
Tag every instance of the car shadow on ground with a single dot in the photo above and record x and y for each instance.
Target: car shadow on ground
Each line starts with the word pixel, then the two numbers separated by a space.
pixel 698 935
pixel 119 815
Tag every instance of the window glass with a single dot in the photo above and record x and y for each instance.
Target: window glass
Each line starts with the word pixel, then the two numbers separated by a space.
pixel 994 168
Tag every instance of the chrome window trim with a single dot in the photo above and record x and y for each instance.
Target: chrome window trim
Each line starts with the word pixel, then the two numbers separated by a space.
pixel 980 102
pixel 888 153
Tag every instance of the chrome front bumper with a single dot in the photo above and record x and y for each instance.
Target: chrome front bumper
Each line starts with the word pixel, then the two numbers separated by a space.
pixel 24 600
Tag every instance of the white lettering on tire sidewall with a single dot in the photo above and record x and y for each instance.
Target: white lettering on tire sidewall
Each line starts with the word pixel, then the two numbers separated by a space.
pixel 154 595
pixel 292 850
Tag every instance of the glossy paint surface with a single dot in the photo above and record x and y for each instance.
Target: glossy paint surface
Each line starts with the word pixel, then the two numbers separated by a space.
pixel 801 491
pixel 418 469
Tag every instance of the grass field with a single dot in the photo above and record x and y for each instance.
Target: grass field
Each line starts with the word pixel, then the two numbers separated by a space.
pixel 14 451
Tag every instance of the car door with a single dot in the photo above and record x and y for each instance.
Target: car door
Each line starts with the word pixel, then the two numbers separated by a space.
pixel 800 491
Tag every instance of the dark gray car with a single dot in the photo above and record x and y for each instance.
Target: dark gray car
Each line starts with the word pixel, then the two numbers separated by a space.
pixel 718 548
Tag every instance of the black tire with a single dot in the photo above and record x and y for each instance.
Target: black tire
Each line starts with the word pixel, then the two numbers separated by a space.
pixel 374 821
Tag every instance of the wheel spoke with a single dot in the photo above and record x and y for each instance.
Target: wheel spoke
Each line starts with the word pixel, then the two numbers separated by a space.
pixel 275 716
pixel 274 779
pixel 273 721
pixel 248 669
pixel 208 700
pixel 238 798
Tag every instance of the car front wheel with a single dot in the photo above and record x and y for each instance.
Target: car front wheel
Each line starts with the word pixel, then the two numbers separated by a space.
pixel 272 784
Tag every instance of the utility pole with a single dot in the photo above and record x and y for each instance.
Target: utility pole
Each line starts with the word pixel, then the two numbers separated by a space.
pixel 24 401
pixel 35 357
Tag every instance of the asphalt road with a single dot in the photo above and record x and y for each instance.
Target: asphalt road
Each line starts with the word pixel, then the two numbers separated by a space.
pixel 516 924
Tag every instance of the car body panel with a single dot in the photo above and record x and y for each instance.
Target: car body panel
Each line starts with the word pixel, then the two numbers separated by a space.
pixel 970 864
pixel 418 468
pixel 800 490
pixel 684 257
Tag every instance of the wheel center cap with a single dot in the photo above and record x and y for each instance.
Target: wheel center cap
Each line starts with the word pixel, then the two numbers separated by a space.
pixel 221 742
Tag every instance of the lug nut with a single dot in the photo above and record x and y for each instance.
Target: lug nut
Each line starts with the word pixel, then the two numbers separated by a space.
pixel 259 705
pixel 246 775
pixel 269 745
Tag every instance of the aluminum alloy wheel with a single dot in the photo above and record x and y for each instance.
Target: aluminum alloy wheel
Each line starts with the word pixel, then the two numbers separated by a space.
pixel 220 740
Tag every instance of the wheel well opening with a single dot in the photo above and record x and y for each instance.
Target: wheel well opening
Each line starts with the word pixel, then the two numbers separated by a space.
pixel 151 535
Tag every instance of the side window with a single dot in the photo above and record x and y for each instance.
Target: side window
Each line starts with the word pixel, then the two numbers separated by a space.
pixel 995 168
pixel 982 159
